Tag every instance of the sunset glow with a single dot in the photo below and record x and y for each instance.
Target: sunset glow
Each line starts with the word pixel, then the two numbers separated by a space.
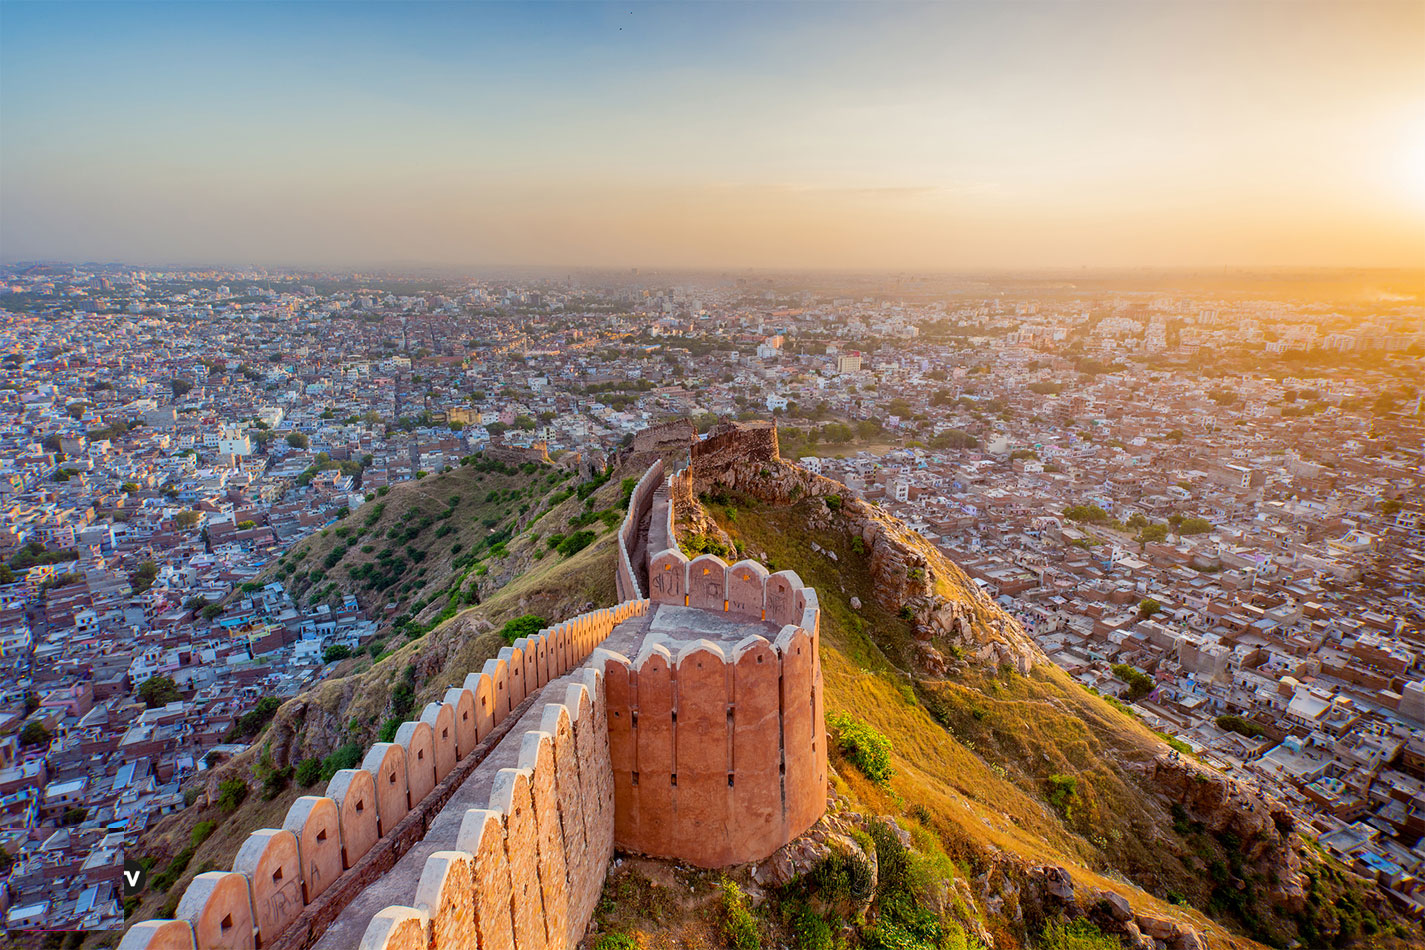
pixel 807 135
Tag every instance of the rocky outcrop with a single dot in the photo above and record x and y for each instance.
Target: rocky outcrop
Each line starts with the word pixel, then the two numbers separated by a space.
pixel 1057 893
pixel 832 836
pixel 909 576
pixel 1264 827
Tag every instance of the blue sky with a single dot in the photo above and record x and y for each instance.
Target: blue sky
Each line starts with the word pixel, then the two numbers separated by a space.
pixel 871 134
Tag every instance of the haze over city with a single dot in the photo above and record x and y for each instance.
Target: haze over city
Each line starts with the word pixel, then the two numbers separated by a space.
pixel 813 476
pixel 715 135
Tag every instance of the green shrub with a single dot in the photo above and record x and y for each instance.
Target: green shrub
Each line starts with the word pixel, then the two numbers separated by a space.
pixel 842 877
pixel 336 652
pixel 231 794
pixel 250 723
pixel 525 626
pixel 616 942
pixel 169 876
pixel 863 747
pixel 1063 793
pixel 575 543
pixel 833 502
pixel 1139 683
pixel 201 831
pixel 308 772
pixel 811 931
pixel 347 756
pixel 1240 726
pixel 738 926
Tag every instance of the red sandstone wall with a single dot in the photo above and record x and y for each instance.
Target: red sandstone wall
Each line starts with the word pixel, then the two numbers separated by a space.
pixel 568 784
pixel 626 579
pixel 718 757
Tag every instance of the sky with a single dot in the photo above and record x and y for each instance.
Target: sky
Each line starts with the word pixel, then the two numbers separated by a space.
pixel 871 135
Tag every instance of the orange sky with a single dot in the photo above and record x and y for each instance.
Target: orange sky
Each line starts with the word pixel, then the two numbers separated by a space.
pixel 864 135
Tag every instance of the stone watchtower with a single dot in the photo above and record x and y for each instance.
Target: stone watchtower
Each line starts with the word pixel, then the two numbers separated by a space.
pixel 716 729
pixel 683 723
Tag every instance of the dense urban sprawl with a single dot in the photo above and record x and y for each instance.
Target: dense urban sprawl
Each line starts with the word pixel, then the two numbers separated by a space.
pixel 1203 503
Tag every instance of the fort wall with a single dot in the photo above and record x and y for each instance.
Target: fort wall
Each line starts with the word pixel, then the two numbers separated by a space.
pixel 710 751
pixel 639 505
pixel 288 884
pixel 719 750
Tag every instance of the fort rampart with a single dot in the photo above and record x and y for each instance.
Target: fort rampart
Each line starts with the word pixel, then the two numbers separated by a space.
pixel 488 823
pixel 719 749
pixel 281 890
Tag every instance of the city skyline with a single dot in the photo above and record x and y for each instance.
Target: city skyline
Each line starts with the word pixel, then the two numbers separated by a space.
pixel 707 136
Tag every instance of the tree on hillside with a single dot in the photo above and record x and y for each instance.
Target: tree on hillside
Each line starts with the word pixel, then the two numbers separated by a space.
pixel 298 440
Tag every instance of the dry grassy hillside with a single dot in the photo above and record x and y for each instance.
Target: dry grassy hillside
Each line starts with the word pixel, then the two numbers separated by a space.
pixel 999 775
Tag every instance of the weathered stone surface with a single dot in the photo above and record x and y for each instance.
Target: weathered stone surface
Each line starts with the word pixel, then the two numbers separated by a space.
pixel 159 935
pixel 316 822
pixel 756 747
pixel 446 896
pixel 397 928
pixel 1159 928
pixel 511 796
pixel 1058 883
pixel 467 733
pixel 556 722
pixel 668 577
pixel 707 582
pixel 537 756
pixel 272 863
pixel 218 905
pixel 386 761
pixel 746 588
pixel 441 719
pixel 931 660
pixel 1117 906
pixel 482 835
pixel 418 739
pixel 354 791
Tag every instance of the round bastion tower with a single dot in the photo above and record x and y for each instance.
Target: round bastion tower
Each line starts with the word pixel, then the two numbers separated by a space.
pixel 716 730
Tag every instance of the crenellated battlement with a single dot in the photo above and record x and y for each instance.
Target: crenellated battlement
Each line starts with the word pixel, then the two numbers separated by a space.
pixel 489 820
pixel 369 815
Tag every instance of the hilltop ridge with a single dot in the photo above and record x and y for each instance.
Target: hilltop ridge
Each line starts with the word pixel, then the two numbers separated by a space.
pixel 1024 802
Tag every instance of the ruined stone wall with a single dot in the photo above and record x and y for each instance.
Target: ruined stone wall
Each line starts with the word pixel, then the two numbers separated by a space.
pixel 517 454
pixel 733 442
pixel 567 787
pixel 676 434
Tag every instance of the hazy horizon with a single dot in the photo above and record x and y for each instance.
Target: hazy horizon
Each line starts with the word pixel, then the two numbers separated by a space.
pixel 873 137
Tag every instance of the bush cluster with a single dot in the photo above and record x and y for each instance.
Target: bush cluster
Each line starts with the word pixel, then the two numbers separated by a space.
pixel 864 747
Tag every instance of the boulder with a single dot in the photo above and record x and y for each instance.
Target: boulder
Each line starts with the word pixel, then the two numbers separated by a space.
pixel 1159 928
pixel 1058 883
pixel 1188 939
pixel 931 659
pixel 901 834
pixel 1117 906
pixel 1134 939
